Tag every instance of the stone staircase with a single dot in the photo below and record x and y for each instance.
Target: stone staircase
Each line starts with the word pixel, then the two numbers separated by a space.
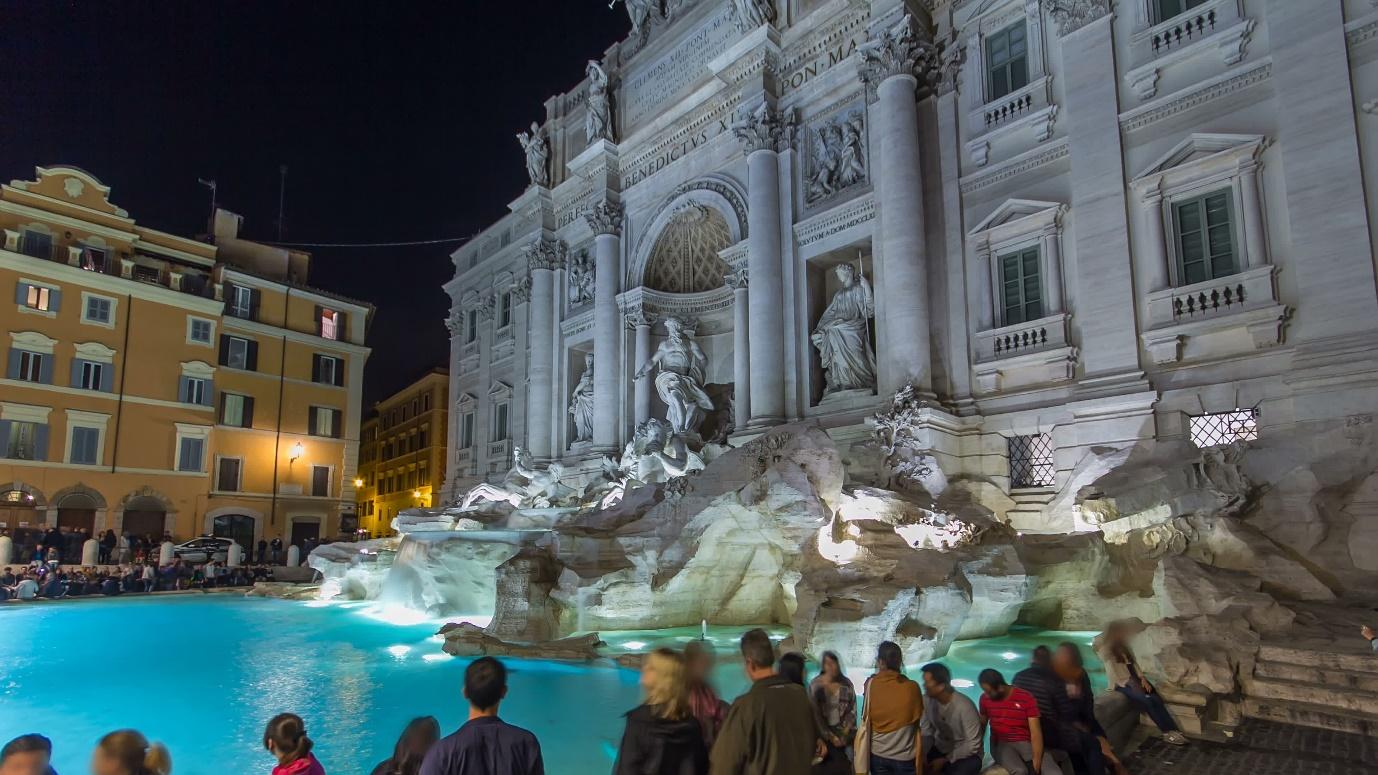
pixel 1315 687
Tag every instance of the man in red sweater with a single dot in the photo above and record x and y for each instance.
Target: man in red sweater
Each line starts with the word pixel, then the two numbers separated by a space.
pixel 1016 737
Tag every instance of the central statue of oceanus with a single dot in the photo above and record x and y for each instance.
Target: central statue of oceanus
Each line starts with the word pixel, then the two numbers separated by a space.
pixel 680 381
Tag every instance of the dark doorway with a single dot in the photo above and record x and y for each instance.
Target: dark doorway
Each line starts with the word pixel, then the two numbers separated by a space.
pixel 302 532
pixel 77 511
pixel 144 523
pixel 236 527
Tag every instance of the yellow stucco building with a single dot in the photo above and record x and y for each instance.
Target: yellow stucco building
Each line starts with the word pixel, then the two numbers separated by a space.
pixel 156 383
pixel 402 452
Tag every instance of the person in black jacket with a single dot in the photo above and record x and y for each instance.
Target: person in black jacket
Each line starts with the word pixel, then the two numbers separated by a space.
pixel 1092 753
pixel 416 740
pixel 662 737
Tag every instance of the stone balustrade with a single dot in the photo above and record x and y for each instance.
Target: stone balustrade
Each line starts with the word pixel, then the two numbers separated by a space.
pixel 1043 334
pixel 1249 289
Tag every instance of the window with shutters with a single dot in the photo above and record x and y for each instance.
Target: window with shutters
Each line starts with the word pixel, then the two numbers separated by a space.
pixel 236 410
pixel 505 310
pixel 1007 64
pixel 1021 288
pixel 320 481
pixel 94 259
pixel 328 370
pixel 98 310
pixel 39 298
pixel 228 474
pixel 200 331
pixel 241 302
pixel 330 324
pixel 236 352
pixel 1205 238
pixel 325 421
pixel 36 243
pixel 92 375
pixel 501 431
pixel 471 326
pixel 194 390
pixel 85 446
pixel 30 366
pixel 466 430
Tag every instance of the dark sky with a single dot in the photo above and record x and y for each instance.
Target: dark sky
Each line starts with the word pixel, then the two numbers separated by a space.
pixel 395 120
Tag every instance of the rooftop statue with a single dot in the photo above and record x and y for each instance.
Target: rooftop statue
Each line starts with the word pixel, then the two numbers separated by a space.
pixel 750 14
pixel 525 486
pixel 680 382
pixel 843 335
pixel 598 122
pixel 537 155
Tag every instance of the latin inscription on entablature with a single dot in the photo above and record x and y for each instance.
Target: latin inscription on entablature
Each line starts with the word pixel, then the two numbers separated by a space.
pixel 645 91
pixel 822 57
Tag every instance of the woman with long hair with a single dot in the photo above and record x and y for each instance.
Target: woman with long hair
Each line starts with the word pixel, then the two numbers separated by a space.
pixel 704 703
pixel 834 700
pixel 662 735
pixel 417 738
pixel 127 752
pixel 285 738
pixel 1128 679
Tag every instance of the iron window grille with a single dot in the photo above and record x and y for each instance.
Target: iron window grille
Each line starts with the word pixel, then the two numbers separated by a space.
pixel 1217 429
pixel 1031 461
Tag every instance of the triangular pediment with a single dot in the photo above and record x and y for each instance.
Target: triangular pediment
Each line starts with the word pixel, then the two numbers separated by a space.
pixel 1014 209
pixel 500 390
pixel 1198 146
pixel 466 401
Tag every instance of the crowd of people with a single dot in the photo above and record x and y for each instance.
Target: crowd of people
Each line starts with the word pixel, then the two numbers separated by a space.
pixel 65 545
pixel 1042 722
pixel 51 580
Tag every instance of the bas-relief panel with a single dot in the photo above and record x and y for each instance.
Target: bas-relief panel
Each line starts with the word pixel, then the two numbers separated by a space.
pixel 836 158
pixel 648 88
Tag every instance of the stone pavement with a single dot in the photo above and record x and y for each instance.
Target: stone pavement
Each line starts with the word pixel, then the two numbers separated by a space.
pixel 1262 748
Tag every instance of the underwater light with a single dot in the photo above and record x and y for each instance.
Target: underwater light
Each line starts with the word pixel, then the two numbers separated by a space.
pixel 1009 656
pixel 961 683
pixel 399 651
pixel 635 645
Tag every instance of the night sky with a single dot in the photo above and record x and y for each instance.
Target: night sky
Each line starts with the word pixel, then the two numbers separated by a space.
pixel 395 120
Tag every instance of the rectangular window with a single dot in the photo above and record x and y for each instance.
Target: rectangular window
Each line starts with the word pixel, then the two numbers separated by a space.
pixel 320 481
pixel 37 244
pixel 500 429
pixel 1166 9
pixel 236 352
pixel 426 402
pixel 227 474
pixel 191 452
pixel 242 302
pixel 471 326
pixel 1031 461
pixel 422 475
pixel 199 330
pixel 1007 62
pixel 1218 429
pixel 194 390
pixel 85 446
pixel 91 375
pixel 422 438
pixel 330 322
pixel 327 370
pixel 1205 238
pixel 505 310
pixel 30 366
pixel 236 410
pixel 325 421
pixel 39 298
pixel 94 259
pixel 466 431
pixel 98 310
pixel 1021 288
pixel 24 441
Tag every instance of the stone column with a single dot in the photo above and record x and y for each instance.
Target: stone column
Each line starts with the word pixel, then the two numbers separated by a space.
pixel 1255 241
pixel 984 301
pixel 762 133
pixel 1154 265
pixel 890 60
pixel 641 321
pixel 741 347
pixel 543 258
pixel 605 219
pixel 1052 258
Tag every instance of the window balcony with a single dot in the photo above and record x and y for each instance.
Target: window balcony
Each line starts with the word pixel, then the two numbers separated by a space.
pixel 1021 119
pixel 1175 40
pixel 1215 318
pixel 1025 354
pixel 499 456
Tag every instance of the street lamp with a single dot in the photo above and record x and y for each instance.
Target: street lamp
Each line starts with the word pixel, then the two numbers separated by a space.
pixel 358 482
pixel 297 451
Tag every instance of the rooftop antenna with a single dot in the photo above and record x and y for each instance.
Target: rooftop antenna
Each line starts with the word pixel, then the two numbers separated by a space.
pixel 211 185
pixel 282 194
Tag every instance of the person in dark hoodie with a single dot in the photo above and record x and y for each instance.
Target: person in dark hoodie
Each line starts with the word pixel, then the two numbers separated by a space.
pixel 770 730
pixel 662 736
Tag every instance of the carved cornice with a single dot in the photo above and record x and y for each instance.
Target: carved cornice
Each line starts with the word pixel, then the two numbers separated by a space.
pixel 899 50
pixel 735 279
pixel 765 129
pixel 605 218
pixel 546 254
pixel 1072 15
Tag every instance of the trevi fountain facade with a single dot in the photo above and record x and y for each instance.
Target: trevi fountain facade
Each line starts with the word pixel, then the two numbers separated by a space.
pixel 915 320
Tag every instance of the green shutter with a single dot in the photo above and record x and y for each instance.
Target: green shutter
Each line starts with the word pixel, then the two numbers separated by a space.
pixel 1205 238
pixel 1007 61
pixel 1021 287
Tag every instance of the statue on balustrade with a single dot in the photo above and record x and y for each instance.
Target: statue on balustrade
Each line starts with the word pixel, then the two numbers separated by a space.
pixel 524 487
pixel 680 380
pixel 581 403
pixel 750 14
pixel 598 122
pixel 842 335
pixel 537 155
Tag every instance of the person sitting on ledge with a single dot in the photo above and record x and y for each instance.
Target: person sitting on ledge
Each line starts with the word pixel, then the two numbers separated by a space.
pixel 285 738
pixel 26 588
pixel 1016 731
pixel 485 745
pixel 27 755
pixel 128 752
pixel 1124 674
pixel 8 579
pixel 951 721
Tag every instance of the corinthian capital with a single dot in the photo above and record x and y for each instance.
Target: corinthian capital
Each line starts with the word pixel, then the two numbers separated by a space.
pixel 546 254
pixel 735 278
pixel 1072 15
pixel 764 129
pixel 605 218
pixel 898 50
pixel 638 316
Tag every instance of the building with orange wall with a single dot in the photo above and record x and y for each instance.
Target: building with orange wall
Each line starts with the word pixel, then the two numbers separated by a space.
pixel 402 452
pixel 159 384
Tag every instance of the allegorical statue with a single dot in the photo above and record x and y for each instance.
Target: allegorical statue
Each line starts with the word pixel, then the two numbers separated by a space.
pixel 537 155
pixel 680 382
pixel 751 14
pixel 580 278
pixel 598 122
pixel 525 486
pixel 842 335
pixel 581 403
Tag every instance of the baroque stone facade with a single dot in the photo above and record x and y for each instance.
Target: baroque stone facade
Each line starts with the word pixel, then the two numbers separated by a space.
pixel 1087 226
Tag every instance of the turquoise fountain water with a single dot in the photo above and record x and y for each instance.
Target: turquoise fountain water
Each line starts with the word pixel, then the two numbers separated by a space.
pixel 204 673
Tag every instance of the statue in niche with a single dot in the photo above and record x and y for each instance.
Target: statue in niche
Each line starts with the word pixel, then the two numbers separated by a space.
pixel 750 14
pixel 537 155
pixel 581 403
pixel 681 362
pixel 839 160
pixel 598 122
pixel 581 279
pixel 842 335
pixel 524 487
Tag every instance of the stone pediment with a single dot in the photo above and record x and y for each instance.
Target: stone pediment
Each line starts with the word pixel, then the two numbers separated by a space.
pixel 72 185
pixel 500 391
pixel 466 402
pixel 1015 209
pixel 1197 147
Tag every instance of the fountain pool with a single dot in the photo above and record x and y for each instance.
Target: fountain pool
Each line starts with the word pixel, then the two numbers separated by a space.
pixel 204 673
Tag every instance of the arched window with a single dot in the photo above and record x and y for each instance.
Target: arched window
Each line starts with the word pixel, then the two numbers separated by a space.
pixel 685 258
pixel 236 527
